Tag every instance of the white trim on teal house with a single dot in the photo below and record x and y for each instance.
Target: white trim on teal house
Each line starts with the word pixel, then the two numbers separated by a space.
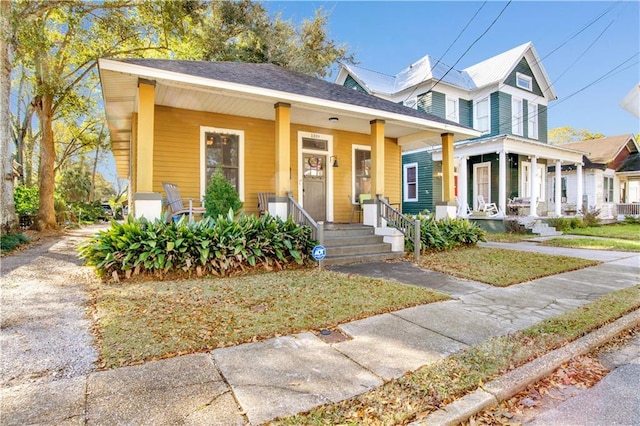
pixel 505 97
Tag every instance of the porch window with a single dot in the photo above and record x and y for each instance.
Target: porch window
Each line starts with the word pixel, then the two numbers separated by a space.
pixel 481 116
pixel 563 190
pixel 516 117
pixel 410 184
pixel 482 182
pixel 361 171
pixel 222 149
pixel 532 125
pixel 452 109
pixel 608 189
pixel 541 173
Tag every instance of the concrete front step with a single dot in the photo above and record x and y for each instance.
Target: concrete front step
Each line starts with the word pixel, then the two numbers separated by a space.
pixel 358 248
pixel 358 258
pixel 337 241
pixel 347 244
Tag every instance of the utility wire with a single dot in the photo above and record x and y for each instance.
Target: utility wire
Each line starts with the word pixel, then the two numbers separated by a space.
pixel 448 48
pixel 472 44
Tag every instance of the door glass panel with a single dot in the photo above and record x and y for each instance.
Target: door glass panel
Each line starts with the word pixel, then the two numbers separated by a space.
pixel 314 165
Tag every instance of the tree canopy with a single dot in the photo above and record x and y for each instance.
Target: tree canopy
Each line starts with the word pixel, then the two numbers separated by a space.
pixel 567 134
pixel 57 45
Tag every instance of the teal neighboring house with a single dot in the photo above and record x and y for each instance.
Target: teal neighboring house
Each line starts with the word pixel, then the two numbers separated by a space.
pixel 506 98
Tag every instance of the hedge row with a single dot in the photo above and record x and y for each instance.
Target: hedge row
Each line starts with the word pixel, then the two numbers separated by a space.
pixel 220 246
pixel 445 234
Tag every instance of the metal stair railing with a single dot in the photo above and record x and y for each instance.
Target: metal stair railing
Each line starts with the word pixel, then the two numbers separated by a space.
pixel 410 228
pixel 301 217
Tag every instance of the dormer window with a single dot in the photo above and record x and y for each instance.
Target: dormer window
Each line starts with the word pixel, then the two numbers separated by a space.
pixel 524 82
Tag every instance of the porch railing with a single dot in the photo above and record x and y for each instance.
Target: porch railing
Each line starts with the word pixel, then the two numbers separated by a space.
pixel 410 228
pixel 628 209
pixel 301 217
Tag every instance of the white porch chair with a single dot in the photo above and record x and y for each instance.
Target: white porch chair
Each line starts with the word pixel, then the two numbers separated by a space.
pixel 489 208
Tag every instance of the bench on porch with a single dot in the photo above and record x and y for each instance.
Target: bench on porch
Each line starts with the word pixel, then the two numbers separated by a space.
pixel 519 206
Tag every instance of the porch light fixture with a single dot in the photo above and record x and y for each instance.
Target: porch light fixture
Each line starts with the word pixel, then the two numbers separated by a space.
pixel 334 119
pixel 335 160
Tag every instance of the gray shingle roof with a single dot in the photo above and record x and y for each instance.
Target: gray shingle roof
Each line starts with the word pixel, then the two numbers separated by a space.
pixel 274 77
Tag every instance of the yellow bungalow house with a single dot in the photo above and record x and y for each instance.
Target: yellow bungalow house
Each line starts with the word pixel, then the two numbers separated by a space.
pixel 269 129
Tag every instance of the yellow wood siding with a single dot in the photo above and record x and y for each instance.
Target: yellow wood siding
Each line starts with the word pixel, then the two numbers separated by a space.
pixel 177 156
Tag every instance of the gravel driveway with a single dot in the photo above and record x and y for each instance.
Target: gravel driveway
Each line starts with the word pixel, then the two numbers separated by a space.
pixel 44 324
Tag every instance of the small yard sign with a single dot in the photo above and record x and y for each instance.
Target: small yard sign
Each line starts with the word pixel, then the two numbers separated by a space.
pixel 318 252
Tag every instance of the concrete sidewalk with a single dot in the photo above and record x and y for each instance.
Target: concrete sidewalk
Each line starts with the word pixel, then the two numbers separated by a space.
pixel 257 382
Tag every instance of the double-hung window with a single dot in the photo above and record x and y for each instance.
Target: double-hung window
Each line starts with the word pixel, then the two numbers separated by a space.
pixel 516 116
pixel 452 109
pixel 481 116
pixel 410 182
pixel 532 124
pixel 608 189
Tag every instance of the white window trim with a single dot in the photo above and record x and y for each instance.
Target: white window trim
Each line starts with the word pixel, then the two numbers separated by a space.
pixel 517 117
pixel 329 181
pixel 476 166
pixel 203 170
pixel 532 121
pixel 405 186
pixel 475 113
pixel 456 112
pixel 353 165
pixel 526 78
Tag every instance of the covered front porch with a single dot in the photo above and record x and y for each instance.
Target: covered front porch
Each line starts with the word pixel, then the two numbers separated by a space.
pixel 268 129
pixel 507 176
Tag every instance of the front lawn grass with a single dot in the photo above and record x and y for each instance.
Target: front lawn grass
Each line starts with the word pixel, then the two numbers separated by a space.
pixel 506 237
pixel 415 395
pixel 143 321
pixel 594 244
pixel 500 267
pixel 625 231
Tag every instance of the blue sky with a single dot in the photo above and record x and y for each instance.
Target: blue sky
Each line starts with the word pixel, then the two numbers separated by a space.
pixel 388 36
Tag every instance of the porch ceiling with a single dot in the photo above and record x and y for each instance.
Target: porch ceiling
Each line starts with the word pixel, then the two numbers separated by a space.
pixel 120 98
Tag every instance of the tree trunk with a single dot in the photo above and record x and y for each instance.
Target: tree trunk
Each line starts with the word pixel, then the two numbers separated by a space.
pixel 7 206
pixel 46 217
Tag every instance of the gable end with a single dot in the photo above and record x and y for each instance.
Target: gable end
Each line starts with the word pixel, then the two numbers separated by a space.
pixel 523 68
pixel 351 83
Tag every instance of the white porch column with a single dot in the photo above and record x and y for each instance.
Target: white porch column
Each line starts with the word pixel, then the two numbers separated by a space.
pixel 502 182
pixel 533 179
pixel 579 188
pixel 558 197
pixel 462 187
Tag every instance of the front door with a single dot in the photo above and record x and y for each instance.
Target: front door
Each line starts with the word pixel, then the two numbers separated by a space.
pixel 314 188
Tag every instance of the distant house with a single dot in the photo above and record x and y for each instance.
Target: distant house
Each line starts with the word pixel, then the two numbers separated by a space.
pixel 505 98
pixel 611 176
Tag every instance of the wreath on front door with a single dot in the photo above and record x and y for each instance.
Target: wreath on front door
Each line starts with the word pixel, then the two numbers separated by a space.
pixel 314 163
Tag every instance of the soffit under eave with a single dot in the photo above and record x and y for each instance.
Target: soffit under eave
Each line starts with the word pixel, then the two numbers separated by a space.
pixel 512 147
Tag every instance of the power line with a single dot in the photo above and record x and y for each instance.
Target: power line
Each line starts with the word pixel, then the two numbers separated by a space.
pixel 472 44
pixel 448 48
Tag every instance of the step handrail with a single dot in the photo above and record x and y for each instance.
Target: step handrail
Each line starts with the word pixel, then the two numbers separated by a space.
pixel 410 228
pixel 300 216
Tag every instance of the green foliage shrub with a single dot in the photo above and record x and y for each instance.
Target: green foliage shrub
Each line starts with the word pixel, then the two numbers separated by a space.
pixel 26 199
pixel 86 212
pixel 221 196
pixel 220 246
pixel 12 241
pixel 631 220
pixel 565 224
pixel 445 234
pixel 590 218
